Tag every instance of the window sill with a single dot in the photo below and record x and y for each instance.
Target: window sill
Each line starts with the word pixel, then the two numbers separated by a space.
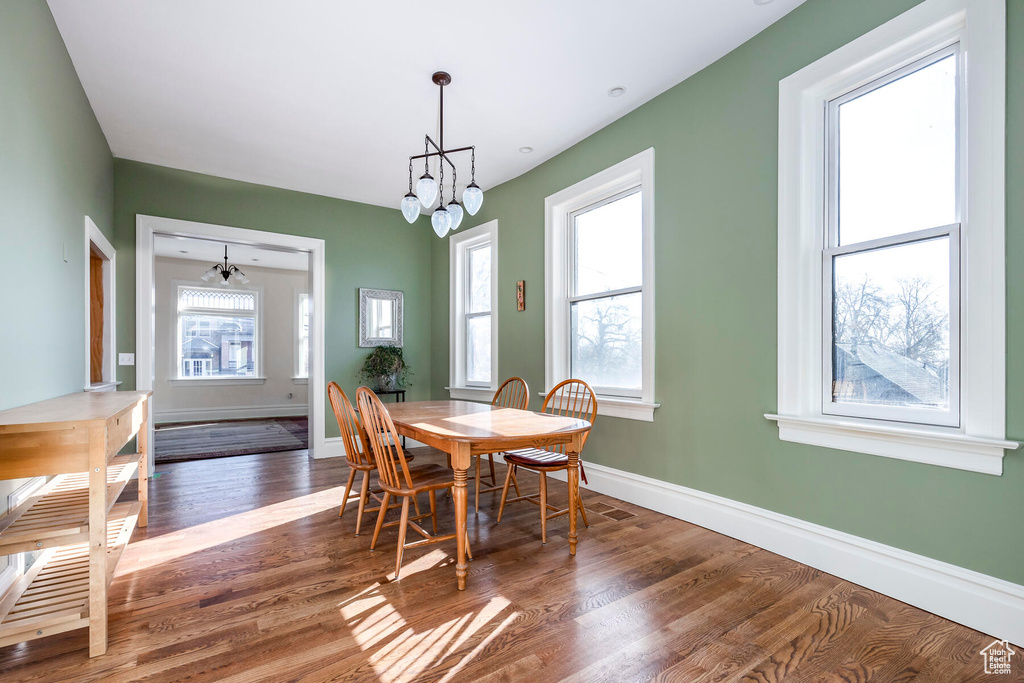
pixel 626 408
pixel 219 381
pixel 483 394
pixel 932 446
pixel 300 380
pixel 103 386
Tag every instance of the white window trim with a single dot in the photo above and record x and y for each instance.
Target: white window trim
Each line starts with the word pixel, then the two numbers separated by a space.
pixel 978 443
pixel 174 377
pixel 297 341
pixel 458 246
pixel 636 170
pixel 94 237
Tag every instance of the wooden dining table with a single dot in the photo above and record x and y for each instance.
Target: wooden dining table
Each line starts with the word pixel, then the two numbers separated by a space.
pixel 463 430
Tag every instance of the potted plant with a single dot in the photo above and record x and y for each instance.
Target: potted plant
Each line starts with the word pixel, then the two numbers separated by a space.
pixel 385 369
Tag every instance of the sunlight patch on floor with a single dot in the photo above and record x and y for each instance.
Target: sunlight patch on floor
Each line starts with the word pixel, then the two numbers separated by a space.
pixel 150 552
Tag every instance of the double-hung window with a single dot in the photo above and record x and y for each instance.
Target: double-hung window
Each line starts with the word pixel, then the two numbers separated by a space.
pixel 891 265
pixel 891 241
pixel 217 333
pixel 474 317
pixel 599 286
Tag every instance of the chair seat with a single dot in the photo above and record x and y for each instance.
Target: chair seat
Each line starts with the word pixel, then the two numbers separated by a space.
pixel 536 457
pixel 425 477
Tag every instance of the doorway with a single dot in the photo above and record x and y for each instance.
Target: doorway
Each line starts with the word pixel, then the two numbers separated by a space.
pixel 100 354
pixel 150 229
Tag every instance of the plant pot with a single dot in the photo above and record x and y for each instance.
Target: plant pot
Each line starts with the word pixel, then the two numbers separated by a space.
pixel 387 382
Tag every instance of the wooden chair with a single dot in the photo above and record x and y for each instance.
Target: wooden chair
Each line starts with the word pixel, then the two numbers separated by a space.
pixel 571 398
pixel 398 479
pixel 357 453
pixel 513 393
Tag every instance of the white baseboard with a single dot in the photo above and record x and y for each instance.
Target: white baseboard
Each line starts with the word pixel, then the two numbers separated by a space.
pixel 336 449
pixel 982 602
pixel 229 413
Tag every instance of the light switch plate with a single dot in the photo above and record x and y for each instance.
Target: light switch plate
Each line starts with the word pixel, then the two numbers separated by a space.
pixel 126 359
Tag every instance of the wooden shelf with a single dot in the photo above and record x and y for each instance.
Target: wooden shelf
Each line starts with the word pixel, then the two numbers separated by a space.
pixel 58 513
pixel 53 596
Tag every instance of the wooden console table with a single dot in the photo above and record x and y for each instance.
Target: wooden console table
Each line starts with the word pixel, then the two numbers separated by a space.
pixel 73 518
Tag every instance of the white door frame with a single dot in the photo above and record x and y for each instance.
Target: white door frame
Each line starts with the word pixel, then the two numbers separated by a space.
pixel 95 238
pixel 147 227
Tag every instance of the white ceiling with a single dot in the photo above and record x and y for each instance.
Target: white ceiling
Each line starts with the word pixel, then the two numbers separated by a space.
pixel 242 255
pixel 332 97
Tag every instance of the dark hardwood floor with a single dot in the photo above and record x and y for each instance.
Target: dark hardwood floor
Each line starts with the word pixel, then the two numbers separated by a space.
pixel 246 574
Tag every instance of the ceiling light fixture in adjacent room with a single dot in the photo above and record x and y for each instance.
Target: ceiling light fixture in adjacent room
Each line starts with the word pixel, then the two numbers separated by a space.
pixel 225 271
pixel 445 217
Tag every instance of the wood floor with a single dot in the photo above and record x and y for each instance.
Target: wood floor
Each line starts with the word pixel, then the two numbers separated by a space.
pixel 246 574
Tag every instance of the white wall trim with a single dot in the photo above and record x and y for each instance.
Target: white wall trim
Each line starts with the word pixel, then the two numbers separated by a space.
pixel 458 245
pixel 982 602
pixel 147 227
pixel 95 237
pixel 627 174
pixel 336 446
pixel 980 28
pixel 230 413
pixel 471 394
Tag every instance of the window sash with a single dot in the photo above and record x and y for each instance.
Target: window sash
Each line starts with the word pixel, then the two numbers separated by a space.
pixel 833 249
pixel 572 240
pixel 465 340
pixel 602 390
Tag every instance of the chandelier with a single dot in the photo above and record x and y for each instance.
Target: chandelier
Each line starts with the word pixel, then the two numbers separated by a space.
pixel 225 272
pixel 445 217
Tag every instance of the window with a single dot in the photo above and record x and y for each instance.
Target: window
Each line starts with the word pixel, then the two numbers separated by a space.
pixel 218 334
pixel 302 329
pixel 599 284
pixel 890 161
pixel 474 316
pixel 891 261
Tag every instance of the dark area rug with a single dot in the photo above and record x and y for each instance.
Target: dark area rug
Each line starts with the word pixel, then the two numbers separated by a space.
pixel 176 441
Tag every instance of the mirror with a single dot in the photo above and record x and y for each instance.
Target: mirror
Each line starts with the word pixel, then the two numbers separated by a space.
pixel 380 317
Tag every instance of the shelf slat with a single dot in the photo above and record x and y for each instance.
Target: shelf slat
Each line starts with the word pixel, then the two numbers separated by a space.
pixel 58 513
pixel 26 614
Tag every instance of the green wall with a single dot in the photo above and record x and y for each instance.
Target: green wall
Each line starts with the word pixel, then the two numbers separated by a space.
pixel 716 137
pixel 367 246
pixel 55 168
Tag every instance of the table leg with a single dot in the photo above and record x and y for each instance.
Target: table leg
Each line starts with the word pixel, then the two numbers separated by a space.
pixel 461 500
pixel 574 491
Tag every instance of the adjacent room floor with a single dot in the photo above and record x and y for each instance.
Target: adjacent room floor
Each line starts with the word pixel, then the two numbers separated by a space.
pixel 179 441
pixel 246 574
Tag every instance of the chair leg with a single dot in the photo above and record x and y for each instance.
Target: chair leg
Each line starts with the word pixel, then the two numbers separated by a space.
pixel 401 535
pixel 543 507
pixel 380 519
pixel 490 465
pixel 469 553
pixel 504 492
pixel 583 510
pixel 348 489
pixel 478 483
pixel 515 482
pixel 364 494
pixel 416 504
pixel 433 509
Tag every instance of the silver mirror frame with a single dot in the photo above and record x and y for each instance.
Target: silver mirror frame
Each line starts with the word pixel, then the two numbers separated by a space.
pixel 365 340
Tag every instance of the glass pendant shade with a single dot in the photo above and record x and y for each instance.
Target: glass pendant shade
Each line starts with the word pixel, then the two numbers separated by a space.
pixel 441 220
pixel 426 190
pixel 473 198
pixel 411 207
pixel 455 211
pixel 207 276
